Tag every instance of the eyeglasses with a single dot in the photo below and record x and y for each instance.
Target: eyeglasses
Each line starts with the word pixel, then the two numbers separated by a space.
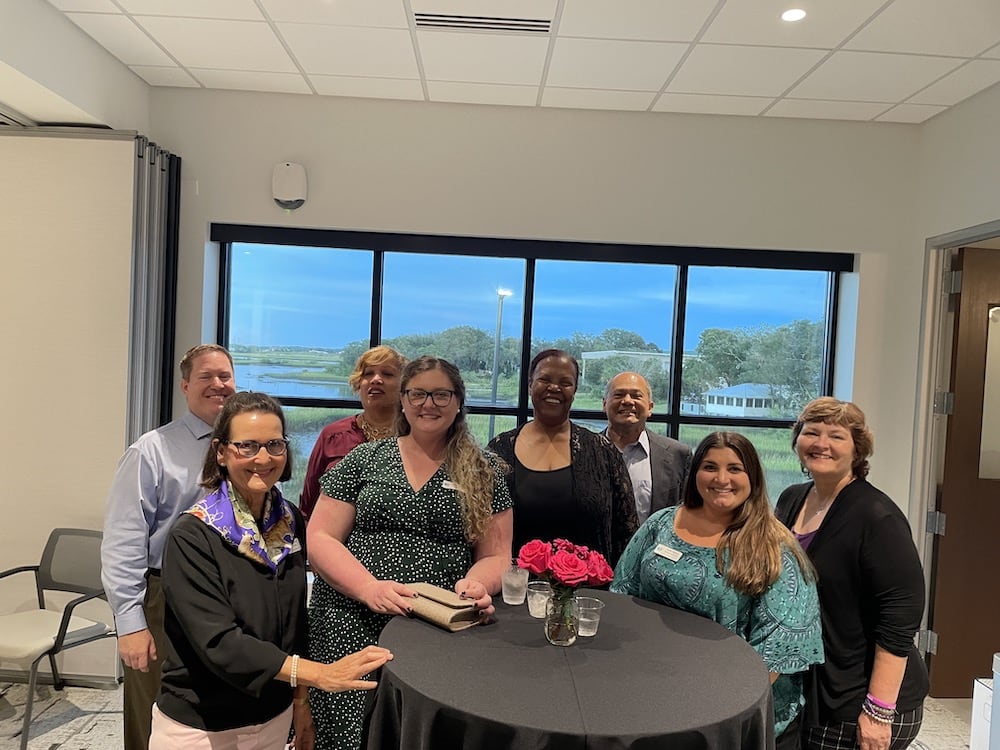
pixel 250 448
pixel 417 396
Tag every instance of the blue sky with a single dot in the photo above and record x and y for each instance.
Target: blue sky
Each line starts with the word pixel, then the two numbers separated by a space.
pixel 321 297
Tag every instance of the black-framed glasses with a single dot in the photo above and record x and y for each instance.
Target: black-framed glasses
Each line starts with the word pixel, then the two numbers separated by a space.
pixel 417 396
pixel 250 448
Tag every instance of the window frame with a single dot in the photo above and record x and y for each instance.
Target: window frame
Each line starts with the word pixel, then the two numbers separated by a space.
pixel 681 256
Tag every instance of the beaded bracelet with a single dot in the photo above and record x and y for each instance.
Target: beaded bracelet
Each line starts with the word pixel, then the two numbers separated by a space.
pixel 873 716
pixel 878 711
pixel 294 680
pixel 881 704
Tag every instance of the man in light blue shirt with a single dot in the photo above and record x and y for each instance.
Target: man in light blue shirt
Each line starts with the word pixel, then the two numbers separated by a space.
pixel 157 479
pixel 657 465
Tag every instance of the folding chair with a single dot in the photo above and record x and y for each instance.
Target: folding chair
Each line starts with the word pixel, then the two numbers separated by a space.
pixel 70 562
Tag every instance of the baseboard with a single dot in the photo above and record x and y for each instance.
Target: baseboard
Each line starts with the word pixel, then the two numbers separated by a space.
pixel 101 682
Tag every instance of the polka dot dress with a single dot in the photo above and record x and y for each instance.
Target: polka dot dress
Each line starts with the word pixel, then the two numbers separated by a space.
pixel 400 535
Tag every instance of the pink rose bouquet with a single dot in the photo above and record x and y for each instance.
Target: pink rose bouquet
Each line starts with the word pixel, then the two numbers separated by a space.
pixel 566 566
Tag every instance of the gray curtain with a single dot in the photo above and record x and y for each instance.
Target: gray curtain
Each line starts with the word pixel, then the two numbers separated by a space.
pixel 154 261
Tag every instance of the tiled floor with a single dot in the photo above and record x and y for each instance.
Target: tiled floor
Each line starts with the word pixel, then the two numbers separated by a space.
pixel 87 719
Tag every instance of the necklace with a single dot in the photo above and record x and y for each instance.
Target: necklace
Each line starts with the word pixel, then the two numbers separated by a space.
pixel 372 432
pixel 822 506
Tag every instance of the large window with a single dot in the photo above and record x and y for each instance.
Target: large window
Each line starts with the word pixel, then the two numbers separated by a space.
pixel 728 339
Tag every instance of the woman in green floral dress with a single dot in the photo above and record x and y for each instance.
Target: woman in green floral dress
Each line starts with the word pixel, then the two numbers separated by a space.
pixel 723 555
pixel 429 505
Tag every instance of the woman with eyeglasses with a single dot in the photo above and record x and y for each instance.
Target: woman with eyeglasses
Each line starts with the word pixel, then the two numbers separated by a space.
pixel 428 505
pixel 235 589
pixel 566 481
pixel 375 380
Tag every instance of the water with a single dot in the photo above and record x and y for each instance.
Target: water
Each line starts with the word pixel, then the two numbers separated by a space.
pixel 261 378
pixel 515 584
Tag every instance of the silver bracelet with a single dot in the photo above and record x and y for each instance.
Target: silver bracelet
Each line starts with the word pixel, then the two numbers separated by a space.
pixel 294 681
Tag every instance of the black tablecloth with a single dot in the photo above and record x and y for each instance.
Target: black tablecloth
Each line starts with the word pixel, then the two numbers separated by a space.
pixel 652 677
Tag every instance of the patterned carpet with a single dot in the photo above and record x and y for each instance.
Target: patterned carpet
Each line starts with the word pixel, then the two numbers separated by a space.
pixel 88 719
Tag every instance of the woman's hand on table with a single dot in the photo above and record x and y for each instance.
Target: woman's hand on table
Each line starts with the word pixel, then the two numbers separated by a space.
pixel 388 598
pixel 477 593
pixel 346 673
pixel 873 735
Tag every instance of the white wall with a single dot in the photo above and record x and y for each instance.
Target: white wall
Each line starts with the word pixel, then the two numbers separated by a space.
pixel 47 62
pixel 576 175
pixel 65 230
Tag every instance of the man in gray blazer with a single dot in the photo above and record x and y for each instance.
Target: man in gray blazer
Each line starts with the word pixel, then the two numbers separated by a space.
pixel 657 465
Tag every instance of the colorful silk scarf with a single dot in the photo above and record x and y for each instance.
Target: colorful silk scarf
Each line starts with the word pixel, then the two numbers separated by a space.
pixel 227 513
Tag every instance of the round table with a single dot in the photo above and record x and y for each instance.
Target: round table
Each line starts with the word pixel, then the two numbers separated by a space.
pixel 652 677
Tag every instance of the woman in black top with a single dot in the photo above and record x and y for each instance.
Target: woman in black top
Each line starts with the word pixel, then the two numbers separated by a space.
pixel 235 589
pixel 566 482
pixel 870 691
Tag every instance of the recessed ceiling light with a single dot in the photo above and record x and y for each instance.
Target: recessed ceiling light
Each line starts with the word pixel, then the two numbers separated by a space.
pixel 794 14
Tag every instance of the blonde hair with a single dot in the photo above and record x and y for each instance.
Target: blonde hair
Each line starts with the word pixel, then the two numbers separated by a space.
pixel 829 410
pixel 749 552
pixel 377 355
pixel 470 470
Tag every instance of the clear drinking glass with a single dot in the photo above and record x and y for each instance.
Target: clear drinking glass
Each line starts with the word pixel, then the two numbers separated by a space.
pixel 590 614
pixel 538 593
pixel 515 583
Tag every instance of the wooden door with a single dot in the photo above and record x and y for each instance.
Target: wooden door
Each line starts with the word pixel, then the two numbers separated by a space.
pixel 964 606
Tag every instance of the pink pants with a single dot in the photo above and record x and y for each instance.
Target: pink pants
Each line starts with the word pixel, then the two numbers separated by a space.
pixel 170 735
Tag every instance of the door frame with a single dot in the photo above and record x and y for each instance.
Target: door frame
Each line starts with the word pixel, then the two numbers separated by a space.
pixel 934 374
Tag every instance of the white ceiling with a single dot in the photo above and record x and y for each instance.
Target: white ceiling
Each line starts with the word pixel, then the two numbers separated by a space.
pixel 883 60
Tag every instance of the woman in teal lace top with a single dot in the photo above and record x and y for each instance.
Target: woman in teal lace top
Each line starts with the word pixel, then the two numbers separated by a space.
pixel 723 555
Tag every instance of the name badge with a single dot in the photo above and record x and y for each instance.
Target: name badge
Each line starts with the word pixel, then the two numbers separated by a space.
pixel 449 485
pixel 668 552
pixel 296 547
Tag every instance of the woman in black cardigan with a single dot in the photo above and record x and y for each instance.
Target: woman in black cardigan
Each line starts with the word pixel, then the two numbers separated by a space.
pixel 870 691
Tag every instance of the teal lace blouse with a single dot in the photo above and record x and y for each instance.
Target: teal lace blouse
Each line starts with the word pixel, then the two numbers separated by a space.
pixel 782 625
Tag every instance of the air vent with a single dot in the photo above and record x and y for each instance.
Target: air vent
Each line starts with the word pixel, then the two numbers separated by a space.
pixel 482 23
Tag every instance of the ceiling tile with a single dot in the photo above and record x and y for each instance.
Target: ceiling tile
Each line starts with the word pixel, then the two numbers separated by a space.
pixel 933 27
pixel 970 79
pixel 476 93
pixel 712 105
pixel 243 80
pixel 222 45
pixel 652 20
pixel 826 110
pixel 596 99
pixel 742 71
pixel 382 13
pixel 872 77
pixel 911 113
pixel 826 24
pixel 245 10
pixel 121 38
pixel 507 9
pixel 351 51
pixel 475 57
pixel 94 6
pixel 604 64
pixel 369 88
pixel 156 75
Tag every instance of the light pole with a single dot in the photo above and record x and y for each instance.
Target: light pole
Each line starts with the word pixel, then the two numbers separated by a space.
pixel 502 294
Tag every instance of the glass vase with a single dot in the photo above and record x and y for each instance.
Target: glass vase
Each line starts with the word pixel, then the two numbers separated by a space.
pixel 562 620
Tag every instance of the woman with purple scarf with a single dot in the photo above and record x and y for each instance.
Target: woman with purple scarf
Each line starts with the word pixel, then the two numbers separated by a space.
pixel 235 589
